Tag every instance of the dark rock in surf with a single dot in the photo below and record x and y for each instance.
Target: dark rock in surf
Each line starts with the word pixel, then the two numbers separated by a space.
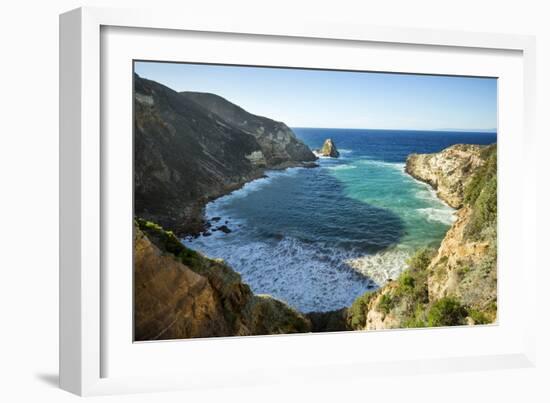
pixel 224 228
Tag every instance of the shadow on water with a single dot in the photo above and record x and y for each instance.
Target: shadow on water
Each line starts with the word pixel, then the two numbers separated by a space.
pixel 313 208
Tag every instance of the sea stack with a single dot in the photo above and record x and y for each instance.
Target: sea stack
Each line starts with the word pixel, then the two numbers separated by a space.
pixel 328 150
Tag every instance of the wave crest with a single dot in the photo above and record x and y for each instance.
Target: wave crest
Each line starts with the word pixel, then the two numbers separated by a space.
pixel 310 277
pixel 382 266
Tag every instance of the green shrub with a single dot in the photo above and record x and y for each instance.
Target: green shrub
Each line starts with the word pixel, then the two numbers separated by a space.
pixel 479 179
pixel 421 259
pixel 407 281
pixel 357 312
pixel 166 240
pixel 447 312
pixel 413 282
pixel 481 195
pixel 479 317
pixel 386 304
pixel 416 317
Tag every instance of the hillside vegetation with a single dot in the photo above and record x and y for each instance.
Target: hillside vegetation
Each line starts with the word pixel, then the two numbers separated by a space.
pixel 455 284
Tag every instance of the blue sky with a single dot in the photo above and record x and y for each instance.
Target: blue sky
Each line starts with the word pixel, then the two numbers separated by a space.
pixel 336 99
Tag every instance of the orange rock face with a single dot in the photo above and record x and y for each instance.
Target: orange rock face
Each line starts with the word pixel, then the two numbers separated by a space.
pixel 173 300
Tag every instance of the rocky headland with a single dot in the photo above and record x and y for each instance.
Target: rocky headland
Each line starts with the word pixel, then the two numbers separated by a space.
pixel 448 171
pixel 190 148
pixel 455 284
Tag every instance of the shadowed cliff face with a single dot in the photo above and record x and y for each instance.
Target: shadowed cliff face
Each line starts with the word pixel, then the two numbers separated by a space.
pixel 179 293
pixel 186 154
pixel 277 142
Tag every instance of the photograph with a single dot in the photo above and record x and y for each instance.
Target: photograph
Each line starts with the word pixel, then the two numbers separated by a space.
pixel 283 200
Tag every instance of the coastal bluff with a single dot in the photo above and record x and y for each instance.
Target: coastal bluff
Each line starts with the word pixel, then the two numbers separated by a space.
pixel 448 172
pixel 190 148
pixel 456 283
pixel 180 293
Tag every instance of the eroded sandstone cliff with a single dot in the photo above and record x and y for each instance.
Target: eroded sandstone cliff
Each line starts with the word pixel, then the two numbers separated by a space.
pixel 448 171
pixel 455 284
pixel 178 293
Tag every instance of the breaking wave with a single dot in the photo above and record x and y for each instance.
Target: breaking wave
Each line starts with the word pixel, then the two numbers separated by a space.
pixel 317 277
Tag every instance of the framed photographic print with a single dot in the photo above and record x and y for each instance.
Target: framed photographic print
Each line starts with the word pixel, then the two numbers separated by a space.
pixel 241 196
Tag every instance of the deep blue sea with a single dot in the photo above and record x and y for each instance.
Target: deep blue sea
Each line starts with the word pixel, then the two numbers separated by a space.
pixel 318 238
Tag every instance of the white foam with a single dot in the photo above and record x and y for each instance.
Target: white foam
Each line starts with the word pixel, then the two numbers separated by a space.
pixel 381 266
pixel 342 167
pixel 439 210
pixel 310 277
pixel 394 165
pixel 321 156
pixel 443 215
pixel 344 153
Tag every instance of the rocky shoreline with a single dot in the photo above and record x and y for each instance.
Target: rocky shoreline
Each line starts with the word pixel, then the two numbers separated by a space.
pixel 447 172
pixel 454 284
pixel 191 148
pixel 205 226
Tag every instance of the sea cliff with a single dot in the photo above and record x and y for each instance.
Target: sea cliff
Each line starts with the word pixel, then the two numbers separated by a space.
pixel 448 171
pixel 179 293
pixel 455 284
pixel 190 148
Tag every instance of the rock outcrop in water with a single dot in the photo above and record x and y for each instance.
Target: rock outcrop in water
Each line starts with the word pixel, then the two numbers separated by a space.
pixel 178 293
pixel 455 284
pixel 190 148
pixel 328 150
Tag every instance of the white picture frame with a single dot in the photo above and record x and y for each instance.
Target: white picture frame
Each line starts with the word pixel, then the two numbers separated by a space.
pixel 83 173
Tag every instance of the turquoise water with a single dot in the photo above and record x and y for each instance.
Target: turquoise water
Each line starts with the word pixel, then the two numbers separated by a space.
pixel 317 238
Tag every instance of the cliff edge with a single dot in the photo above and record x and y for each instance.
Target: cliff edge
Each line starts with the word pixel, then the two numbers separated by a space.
pixel 178 293
pixel 455 284
pixel 448 171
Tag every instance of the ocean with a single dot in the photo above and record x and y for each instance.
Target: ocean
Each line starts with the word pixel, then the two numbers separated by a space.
pixel 317 238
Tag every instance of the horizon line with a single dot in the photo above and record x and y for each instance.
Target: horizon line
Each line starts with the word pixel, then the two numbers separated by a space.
pixel 480 131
